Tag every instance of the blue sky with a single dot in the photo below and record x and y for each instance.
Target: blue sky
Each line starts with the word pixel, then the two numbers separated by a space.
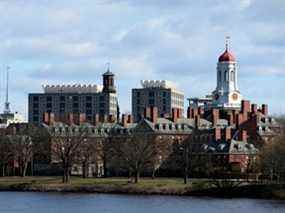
pixel 70 41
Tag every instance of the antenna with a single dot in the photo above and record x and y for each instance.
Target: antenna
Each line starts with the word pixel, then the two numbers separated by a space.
pixel 227 42
pixel 108 66
pixel 7 104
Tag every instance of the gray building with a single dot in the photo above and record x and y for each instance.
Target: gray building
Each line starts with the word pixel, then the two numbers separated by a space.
pixel 161 94
pixel 61 100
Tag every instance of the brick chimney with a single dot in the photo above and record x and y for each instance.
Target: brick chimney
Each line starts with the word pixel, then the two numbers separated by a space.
pixel 174 114
pixel 200 111
pixel 242 135
pixel 197 121
pixel 153 114
pixel 228 134
pixel 124 120
pixel 239 119
pixel 130 119
pixel 230 119
pixel 96 119
pixel 70 119
pixel 245 106
pixel 46 118
pixel 217 134
pixel 51 118
pixel 147 113
pixel 253 108
pixel 189 112
pixel 82 118
pixel 179 113
pixel 264 109
pixel 111 118
pixel 215 116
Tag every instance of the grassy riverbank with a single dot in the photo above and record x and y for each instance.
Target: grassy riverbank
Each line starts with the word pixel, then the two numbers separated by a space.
pixel 146 186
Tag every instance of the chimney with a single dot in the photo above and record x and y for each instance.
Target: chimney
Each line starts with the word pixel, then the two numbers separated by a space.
pixel 197 121
pixel 253 108
pixel 245 106
pixel 234 113
pixel 228 134
pixel 179 113
pixel 46 118
pixel 242 135
pixel 124 120
pixel 174 115
pixel 264 109
pixel 147 113
pixel 195 112
pixel 189 112
pixel 70 119
pixel 153 114
pixel 51 118
pixel 111 118
pixel 200 111
pixel 230 119
pixel 82 118
pixel 130 119
pixel 215 116
pixel 239 119
pixel 96 119
pixel 217 134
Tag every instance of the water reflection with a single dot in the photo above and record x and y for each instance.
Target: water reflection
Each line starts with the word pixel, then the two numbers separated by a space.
pixel 62 202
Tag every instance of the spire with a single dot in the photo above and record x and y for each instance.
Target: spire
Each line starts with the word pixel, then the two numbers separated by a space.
pixel 227 42
pixel 108 72
pixel 7 104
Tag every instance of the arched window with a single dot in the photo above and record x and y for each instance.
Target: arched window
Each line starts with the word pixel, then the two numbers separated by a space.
pixel 232 75
pixel 220 75
pixel 226 76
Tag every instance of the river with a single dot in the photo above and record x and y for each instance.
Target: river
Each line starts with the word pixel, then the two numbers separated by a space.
pixel 30 202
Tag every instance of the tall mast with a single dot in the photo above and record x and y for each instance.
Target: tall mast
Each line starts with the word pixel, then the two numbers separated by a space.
pixel 7 104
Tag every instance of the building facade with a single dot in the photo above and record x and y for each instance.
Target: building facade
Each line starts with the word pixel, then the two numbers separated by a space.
pixel 160 94
pixel 93 101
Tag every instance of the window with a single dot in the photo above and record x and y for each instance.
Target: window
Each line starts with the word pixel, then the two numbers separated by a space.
pixel 151 101
pixel 226 76
pixel 151 94
pixel 102 98
pixel 102 105
pixel 164 101
pixel 232 75
pixel 138 101
pixel 49 105
pixel 164 94
pixel 75 105
pixel 35 119
pixel 62 98
pixel 36 112
pixel 138 94
pixel 75 98
pixel 49 98
pixel 62 105
pixel 36 105
pixel 88 105
pixel 89 112
pixel 88 98
pixel 36 98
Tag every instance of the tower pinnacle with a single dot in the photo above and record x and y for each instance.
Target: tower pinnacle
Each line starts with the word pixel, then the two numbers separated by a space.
pixel 7 104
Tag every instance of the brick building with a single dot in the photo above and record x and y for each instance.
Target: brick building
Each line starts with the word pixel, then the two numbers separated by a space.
pixel 160 94
pixel 75 102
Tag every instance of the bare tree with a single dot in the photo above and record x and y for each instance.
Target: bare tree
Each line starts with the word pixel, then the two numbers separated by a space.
pixel 6 154
pixel 66 145
pixel 137 152
pixel 22 146
pixel 91 151
pixel 273 158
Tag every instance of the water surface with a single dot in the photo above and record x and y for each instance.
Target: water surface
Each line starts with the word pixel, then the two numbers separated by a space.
pixel 30 202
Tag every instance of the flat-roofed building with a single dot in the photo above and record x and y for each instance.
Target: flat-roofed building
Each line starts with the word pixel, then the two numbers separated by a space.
pixel 157 93
pixel 93 101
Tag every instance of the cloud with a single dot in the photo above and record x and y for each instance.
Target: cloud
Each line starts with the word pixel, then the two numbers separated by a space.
pixel 70 41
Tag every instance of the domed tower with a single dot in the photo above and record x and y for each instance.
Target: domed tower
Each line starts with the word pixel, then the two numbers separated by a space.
pixel 227 94
pixel 108 82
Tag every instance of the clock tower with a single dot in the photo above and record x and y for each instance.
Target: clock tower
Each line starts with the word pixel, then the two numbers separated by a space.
pixel 227 94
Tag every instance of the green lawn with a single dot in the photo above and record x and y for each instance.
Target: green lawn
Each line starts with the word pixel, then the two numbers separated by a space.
pixel 77 181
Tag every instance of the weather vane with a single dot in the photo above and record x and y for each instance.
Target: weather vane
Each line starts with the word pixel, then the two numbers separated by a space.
pixel 227 42
pixel 108 66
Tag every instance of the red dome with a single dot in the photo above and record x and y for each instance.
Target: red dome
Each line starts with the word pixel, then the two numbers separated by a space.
pixel 226 56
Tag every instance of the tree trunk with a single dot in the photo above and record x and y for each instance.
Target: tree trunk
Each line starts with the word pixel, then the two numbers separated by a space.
pixel 137 176
pixel 85 169
pixel 153 173
pixel 24 169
